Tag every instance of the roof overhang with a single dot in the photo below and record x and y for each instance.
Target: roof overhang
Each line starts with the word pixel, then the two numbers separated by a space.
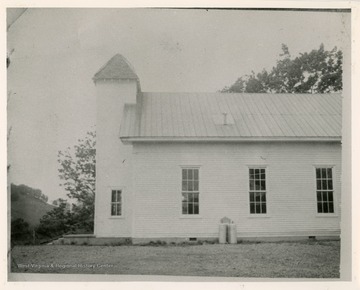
pixel 129 140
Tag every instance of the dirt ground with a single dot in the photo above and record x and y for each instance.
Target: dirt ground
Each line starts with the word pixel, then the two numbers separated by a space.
pixel 317 259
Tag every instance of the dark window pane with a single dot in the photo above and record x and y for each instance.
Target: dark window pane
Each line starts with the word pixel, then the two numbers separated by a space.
pixel 331 196
pixel 184 174
pixel 263 208
pixel 191 198
pixel 251 171
pixel 252 184
pixel 113 209
pixel 190 174
pixel 262 171
pixel 324 184
pixel 113 195
pixel 190 208
pixel 319 206
pixel 324 196
pixel 257 196
pixel 263 197
pixel 318 184
pixel 331 207
pixel 257 185
pixel 262 175
pixel 263 187
pixel 184 186
pixel 184 208
pixel 319 196
pixel 118 209
pixel 119 195
pixel 252 198
pixel 196 174
pixel 329 173
pixel 252 207
pixel 257 208
pixel 323 172
pixel 257 172
pixel 325 207
pixel 196 185
pixel 318 174
pixel 196 197
pixel 330 184
pixel 196 208
pixel 190 185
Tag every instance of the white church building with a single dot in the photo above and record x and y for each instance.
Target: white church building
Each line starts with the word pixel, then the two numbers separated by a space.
pixel 170 166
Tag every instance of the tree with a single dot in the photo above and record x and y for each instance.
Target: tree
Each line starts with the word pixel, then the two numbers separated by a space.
pixel 23 189
pixel 318 71
pixel 20 231
pixel 56 222
pixel 77 172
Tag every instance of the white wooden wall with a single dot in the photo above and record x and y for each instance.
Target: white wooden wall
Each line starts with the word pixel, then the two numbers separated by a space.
pixel 224 189
pixel 113 158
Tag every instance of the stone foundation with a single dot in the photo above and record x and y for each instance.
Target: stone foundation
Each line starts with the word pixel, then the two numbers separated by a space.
pixel 113 241
pixel 91 240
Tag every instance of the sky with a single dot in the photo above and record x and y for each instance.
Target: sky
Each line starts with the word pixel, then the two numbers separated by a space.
pixel 57 52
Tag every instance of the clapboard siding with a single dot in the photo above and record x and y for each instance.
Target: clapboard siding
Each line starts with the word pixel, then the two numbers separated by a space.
pixel 113 158
pixel 291 198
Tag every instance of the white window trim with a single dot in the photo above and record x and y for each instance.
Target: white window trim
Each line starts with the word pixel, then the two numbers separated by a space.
pixel 110 189
pixel 335 214
pixel 258 215
pixel 190 216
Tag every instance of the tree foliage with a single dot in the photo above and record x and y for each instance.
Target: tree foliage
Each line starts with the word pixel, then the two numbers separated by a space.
pixel 22 189
pixel 319 71
pixel 20 231
pixel 77 172
pixel 56 222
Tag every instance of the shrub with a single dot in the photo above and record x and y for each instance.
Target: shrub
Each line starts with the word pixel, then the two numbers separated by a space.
pixel 20 232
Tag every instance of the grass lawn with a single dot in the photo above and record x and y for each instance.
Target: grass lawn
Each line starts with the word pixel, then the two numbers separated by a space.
pixel 310 259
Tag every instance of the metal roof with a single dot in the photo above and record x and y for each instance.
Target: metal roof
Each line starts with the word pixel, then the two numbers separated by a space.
pixel 116 68
pixel 195 116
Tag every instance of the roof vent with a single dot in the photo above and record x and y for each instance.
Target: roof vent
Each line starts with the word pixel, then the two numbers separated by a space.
pixel 223 119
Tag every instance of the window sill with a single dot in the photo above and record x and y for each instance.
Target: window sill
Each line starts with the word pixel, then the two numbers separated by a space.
pixel 327 215
pixel 258 216
pixel 190 217
pixel 116 217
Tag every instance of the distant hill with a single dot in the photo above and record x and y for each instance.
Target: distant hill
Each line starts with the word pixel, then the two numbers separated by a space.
pixel 27 206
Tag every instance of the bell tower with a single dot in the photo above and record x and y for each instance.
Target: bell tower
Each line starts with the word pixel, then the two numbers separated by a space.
pixel 116 85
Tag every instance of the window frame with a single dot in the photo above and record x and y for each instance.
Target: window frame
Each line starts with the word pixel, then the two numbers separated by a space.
pixel 187 215
pixel 325 214
pixel 116 188
pixel 266 191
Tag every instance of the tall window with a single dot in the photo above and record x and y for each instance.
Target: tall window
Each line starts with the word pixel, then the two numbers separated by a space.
pixel 115 202
pixel 257 193
pixel 190 191
pixel 324 190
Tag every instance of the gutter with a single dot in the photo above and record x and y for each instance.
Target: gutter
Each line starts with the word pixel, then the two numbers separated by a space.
pixel 129 140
